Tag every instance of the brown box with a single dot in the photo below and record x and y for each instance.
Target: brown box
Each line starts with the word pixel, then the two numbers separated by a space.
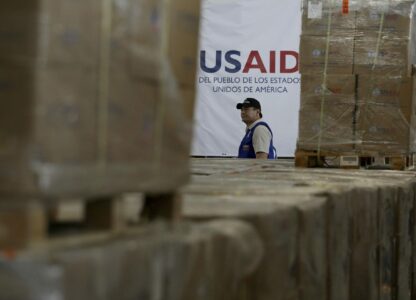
pixel 413 41
pixel 138 38
pixel 335 109
pixel 316 22
pixel 131 119
pixel 396 19
pixel 50 32
pixel 63 136
pixel 18 29
pixel 75 123
pixel 69 32
pixel 16 94
pixel 340 87
pixel 130 264
pixel 382 129
pixel 61 34
pixel 183 40
pixel 188 95
pixel 384 114
pixel 313 55
pixel 145 118
pixel 335 133
pixel 396 91
pixel 64 115
pixel 385 56
pixel 412 138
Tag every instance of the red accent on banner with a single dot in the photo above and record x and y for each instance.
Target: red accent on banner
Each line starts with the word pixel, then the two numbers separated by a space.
pixel 272 62
pixel 345 6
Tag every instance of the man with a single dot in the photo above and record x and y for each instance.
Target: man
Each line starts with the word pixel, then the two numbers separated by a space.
pixel 258 140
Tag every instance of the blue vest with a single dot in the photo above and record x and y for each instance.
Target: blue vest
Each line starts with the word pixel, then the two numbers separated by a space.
pixel 246 149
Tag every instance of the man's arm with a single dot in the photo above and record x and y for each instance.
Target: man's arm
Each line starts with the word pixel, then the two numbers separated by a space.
pixel 262 155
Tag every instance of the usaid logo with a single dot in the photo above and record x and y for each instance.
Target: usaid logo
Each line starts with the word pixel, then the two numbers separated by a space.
pixel 231 61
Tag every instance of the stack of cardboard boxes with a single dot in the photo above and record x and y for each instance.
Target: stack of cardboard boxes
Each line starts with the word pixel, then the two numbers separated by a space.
pixel 183 48
pixel 91 95
pixel 357 87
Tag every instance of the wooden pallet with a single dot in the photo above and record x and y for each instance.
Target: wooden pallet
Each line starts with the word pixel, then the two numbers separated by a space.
pixel 310 159
pixel 25 223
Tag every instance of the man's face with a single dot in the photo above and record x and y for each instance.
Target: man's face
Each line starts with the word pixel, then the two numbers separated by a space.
pixel 249 114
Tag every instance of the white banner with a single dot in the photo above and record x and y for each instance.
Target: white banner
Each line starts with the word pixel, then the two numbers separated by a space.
pixel 247 49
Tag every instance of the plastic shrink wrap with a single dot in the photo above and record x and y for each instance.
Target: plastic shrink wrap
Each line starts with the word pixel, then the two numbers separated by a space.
pixel 91 96
pixel 356 59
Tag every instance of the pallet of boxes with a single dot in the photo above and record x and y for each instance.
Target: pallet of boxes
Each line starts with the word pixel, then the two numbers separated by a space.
pixel 358 91
pixel 96 101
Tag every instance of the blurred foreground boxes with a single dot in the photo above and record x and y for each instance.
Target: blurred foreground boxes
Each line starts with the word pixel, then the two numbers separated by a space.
pixel 183 262
pixel 97 96
pixel 364 96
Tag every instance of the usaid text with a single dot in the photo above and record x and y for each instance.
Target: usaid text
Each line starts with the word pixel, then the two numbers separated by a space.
pixel 232 61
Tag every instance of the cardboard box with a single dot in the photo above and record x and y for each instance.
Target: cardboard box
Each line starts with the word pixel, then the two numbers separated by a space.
pixel 62 136
pixel 386 56
pixel 16 92
pixel 335 133
pixel 146 118
pixel 18 28
pixel 395 91
pixel 64 115
pixel 130 264
pixel 412 135
pixel 383 90
pixel 340 87
pixel 412 49
pixel 396 19
pixel 384 114
pixel 382 129
pixel 188 95
pixel 75 123
pixel 313 55
pixel 315 17
pixel 69 32
pixel 50 32
pixel 393 46
pixel 57 33
pixel 139 37
pixel 131 119
pixel 183 40
pixel 337 114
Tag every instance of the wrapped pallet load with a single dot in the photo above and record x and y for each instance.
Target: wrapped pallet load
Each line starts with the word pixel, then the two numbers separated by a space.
pixel 91 101
pixel 355 60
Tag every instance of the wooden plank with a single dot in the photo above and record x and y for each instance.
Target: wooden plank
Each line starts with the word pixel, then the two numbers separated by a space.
pixel 162 206
pixel 104 214
pixel 348 160
pixel 398 162
pixel 22 224
pixel 307 159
